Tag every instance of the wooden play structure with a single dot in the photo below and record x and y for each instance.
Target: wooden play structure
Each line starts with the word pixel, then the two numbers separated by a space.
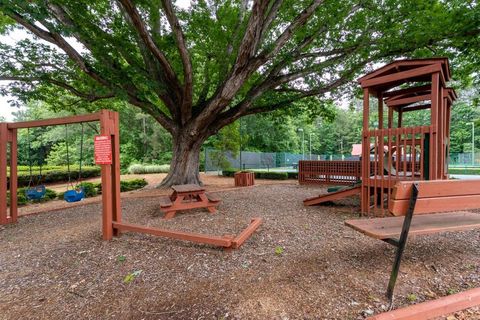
pixel 107 155
pixel 392 152
pixel 186 197
pixel 404 169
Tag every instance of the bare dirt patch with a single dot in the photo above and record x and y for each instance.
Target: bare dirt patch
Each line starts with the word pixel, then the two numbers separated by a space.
pixel 55 265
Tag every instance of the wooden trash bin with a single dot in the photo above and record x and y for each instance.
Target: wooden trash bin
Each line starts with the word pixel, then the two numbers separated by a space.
pixel 244 179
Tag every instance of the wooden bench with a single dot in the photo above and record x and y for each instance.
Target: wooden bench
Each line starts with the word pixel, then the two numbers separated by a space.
pixel 421 198
pixel 213 198
pixel 165 202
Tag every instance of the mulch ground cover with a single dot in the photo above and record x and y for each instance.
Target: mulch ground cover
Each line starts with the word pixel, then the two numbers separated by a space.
pixel 302 263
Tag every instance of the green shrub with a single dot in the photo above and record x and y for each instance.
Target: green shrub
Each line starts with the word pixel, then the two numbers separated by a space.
pixel 22 198
pixel 134 184
pixel 52 174
pixel 475 171
pixel 228 172
pixel 146 169
pixel 272 175
pixel 89 189
pixel 292 175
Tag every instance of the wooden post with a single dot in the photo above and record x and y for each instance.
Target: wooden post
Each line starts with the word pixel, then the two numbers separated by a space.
pixel 380 110
pixel 117 208
pixel 3 173
pixel 365 151
pixel 13 175
pixel 107 194
pixel 434 126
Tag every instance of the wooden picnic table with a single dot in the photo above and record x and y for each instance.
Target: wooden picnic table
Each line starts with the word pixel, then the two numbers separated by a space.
pixel 186 197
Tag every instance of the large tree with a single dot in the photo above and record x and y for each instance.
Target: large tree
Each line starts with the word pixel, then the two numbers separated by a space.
pixel 198 69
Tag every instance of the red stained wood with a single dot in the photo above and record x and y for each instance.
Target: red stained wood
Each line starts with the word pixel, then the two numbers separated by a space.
pixel 3 173
pixel 332 196
pixel 436 308
pixel 179 235
pixel 244 179
pixel 187 197
pixel 329 172
pixel 385 228
pixel 404 75
pixel 247 233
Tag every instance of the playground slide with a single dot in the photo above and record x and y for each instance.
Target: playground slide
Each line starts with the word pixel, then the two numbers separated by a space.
pixel 332 196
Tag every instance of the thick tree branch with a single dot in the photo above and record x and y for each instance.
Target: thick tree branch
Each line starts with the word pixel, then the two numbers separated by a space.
pixel 186 103
pixel 139 25
pixel 90 97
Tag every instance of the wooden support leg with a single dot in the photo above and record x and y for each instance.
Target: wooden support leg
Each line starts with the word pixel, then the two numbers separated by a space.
pixel 3 173
pixel 400 244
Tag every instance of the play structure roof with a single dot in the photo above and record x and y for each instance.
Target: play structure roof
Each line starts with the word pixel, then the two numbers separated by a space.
pixel 399 72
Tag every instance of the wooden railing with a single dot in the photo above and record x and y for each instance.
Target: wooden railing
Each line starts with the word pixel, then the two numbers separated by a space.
pixel 396 155
pixel 329 172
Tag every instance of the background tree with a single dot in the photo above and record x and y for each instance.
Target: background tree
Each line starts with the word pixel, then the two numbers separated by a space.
pixel 199 69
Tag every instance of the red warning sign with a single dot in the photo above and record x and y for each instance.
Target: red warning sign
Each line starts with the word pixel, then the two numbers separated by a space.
pixel 103 149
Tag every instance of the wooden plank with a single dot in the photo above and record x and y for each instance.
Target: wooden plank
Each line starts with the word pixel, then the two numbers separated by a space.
pixel 391 95
pixel 387 228
pixel 433 309
pixel 212 198
pixel 188 188
pixel 437 188
pixel 433 205
pixel 179 235
pixel 395 77
pixel 56 121
pixel 247 233
pixel 409 100
pixel 165 202
pixel 332 196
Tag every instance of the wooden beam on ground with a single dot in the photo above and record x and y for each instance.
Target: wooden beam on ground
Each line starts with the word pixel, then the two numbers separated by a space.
pixel 225 241
pixel 435 308
pixel 179 235
pixel 247 233
pixel 388 228
pixel 332 196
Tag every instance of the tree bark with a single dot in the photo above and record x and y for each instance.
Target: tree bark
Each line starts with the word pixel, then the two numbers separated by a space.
pixel 185 164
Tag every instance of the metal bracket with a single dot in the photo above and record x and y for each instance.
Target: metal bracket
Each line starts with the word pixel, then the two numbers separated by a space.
pixel 400 244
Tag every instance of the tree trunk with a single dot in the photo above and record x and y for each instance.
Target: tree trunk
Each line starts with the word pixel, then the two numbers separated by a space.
pixel 184 168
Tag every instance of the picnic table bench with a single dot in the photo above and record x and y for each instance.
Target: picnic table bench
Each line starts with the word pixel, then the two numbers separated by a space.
pixel 186 197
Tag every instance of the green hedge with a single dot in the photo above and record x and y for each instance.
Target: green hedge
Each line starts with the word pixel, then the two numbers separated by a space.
pixel 272 175
pixel 151 168
pixel 93 189
pixel 475 171
pixel 22 198
pixel 56 174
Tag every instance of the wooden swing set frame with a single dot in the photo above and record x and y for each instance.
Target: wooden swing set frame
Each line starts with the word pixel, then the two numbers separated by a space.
pixel 112 224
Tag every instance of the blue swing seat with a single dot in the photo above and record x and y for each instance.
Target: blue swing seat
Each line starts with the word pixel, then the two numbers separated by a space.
pixel 35 193
pixel 74 195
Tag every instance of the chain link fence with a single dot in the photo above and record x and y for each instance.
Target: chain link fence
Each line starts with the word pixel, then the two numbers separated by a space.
pixel 284 161
pixel 216 160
